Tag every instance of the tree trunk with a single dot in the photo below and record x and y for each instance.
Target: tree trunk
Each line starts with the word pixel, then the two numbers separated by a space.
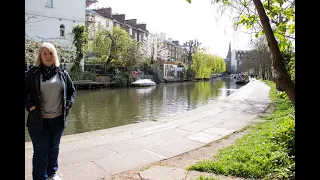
pixel 282 78
pixel 263 73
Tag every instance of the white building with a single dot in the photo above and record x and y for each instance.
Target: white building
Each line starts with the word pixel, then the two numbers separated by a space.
pixel 53 20
pixel 94 20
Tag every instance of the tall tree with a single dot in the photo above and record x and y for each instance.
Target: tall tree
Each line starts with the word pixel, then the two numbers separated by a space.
pixel 281 14
pixel 259 59
pixel 203 64
pixel 110 46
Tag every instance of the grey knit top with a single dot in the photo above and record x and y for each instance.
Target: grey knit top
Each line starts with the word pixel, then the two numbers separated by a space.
pixel 51 97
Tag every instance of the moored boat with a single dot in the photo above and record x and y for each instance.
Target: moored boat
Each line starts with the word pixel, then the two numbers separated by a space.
pixel 143 82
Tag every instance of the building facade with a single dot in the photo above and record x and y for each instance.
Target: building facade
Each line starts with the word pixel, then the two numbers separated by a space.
pixel 94 20
pixel 137 31
pixel 53 20
pixel 241 56
pixel 176 52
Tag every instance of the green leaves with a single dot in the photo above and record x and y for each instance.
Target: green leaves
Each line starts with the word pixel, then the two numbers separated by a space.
pixel 202 64
pixel 114 46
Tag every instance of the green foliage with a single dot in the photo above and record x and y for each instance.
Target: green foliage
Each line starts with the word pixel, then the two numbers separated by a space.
pixel 79 40
pixel 203 64
pixel 99 45
pixel 132 57
pixel 121 79
pixel 114 47
pixel 201 177
pixel 267 152
pixel 158 73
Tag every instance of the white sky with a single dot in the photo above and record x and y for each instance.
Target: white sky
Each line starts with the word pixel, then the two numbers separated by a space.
pixel 182 21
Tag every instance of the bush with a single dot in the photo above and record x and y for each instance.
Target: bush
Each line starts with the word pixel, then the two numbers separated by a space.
pixel 121 79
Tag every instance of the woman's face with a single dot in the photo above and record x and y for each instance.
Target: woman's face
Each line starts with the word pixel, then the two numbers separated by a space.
pixel 47 57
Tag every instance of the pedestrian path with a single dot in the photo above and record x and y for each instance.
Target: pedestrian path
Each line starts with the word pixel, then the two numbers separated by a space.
pixel 104 153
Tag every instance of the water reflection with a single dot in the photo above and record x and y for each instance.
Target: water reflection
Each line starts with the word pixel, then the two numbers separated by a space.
pixel 106 108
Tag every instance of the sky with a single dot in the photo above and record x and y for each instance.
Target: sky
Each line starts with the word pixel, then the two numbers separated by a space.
pixel 182 21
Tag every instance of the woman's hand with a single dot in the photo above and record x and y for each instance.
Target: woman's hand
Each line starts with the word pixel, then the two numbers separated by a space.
pixel 32 108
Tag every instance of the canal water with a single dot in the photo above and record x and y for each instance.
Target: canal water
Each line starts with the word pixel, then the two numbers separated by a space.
pixel 107 108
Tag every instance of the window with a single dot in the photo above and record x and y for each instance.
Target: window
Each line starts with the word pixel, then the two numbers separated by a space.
pixel 130 31
pixel 107 23
pixel 62 30
pixel 50 3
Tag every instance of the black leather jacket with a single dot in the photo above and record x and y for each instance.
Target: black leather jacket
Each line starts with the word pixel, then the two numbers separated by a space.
pixel 32 96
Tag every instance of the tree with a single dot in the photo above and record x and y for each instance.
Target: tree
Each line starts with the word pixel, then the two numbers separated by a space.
pixel 110 46
pixel 79 40
pixel 132 56
pixel 282 17
pixel 119 43
pixel 203 64
pixel 259 59
pixel 192 45
pixel 153 47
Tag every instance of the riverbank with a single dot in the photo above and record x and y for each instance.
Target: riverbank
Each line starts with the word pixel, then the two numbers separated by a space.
pixel 106 153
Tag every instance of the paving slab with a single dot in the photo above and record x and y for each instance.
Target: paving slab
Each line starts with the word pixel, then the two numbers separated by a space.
pixel 105 153
pixel 164 173
pixel 174 147
pixel 128 160
pixel 203 137
pixel 195 127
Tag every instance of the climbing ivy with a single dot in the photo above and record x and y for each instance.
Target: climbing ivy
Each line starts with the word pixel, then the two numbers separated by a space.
pixel 80 40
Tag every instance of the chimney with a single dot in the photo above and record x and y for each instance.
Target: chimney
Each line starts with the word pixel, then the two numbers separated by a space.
pixel 170 40
pixel 131 22
pixel 176 43
pixel 105 12
pixel 119 17
pixel 142 26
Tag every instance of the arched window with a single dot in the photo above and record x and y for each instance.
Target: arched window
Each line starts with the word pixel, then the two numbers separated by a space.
pixel 62 30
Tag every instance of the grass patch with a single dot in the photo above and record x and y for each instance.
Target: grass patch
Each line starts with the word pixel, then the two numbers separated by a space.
pixel 267 152
pixel 201 177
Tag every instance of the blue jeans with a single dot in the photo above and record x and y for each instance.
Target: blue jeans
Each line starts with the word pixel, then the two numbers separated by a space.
pixel 46 144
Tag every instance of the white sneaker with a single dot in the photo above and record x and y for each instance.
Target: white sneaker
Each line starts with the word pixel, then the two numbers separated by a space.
pixel 55 177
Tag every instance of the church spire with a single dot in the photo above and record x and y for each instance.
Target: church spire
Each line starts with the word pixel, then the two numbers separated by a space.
pixel 229 51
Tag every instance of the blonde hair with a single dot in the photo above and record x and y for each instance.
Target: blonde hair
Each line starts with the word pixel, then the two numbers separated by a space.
pixel 52 49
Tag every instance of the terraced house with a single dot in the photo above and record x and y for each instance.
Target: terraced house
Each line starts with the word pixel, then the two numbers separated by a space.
pixel 136 30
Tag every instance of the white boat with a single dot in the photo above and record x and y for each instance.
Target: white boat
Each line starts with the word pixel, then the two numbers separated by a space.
pixel 143 82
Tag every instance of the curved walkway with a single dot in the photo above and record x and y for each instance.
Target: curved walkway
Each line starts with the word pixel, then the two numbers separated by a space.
pixel 104 153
